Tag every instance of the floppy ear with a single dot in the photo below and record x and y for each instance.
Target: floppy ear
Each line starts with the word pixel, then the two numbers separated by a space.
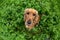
pixel 37 18
pixel 25 11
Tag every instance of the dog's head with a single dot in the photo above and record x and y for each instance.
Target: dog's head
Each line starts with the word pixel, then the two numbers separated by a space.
pixel 31 17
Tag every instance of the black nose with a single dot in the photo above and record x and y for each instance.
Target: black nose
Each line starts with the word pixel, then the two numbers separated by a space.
pixel 29 21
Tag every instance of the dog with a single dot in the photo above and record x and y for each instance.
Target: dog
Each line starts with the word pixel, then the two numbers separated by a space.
pixel 31 18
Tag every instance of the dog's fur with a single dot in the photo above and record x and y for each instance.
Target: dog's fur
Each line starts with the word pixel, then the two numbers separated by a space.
pixel 31 14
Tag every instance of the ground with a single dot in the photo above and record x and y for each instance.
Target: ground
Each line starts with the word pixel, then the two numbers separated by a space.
pixel 12 22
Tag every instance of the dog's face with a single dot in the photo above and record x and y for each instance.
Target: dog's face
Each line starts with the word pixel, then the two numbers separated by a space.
pixel 31 18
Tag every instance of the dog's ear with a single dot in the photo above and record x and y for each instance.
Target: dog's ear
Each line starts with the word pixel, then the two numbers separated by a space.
pixel 37 18
pixel 25 11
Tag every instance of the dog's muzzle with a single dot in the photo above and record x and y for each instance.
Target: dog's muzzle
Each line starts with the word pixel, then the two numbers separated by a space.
pixel 29 22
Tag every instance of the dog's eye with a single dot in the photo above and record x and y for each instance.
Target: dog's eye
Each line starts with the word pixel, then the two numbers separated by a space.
pixel 28 13
pixel 34 14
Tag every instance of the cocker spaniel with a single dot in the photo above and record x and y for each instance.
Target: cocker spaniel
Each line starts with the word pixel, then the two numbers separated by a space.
pixel 31 18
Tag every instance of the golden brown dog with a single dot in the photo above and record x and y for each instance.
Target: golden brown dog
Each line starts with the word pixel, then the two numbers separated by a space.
pixel 31 18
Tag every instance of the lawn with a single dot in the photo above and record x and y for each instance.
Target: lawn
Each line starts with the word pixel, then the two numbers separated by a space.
pixel 12 25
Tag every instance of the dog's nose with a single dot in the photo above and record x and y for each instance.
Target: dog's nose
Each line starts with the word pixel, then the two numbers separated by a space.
pixel 29 21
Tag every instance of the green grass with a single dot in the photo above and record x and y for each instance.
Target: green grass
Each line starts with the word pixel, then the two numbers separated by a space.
pixel 12 24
